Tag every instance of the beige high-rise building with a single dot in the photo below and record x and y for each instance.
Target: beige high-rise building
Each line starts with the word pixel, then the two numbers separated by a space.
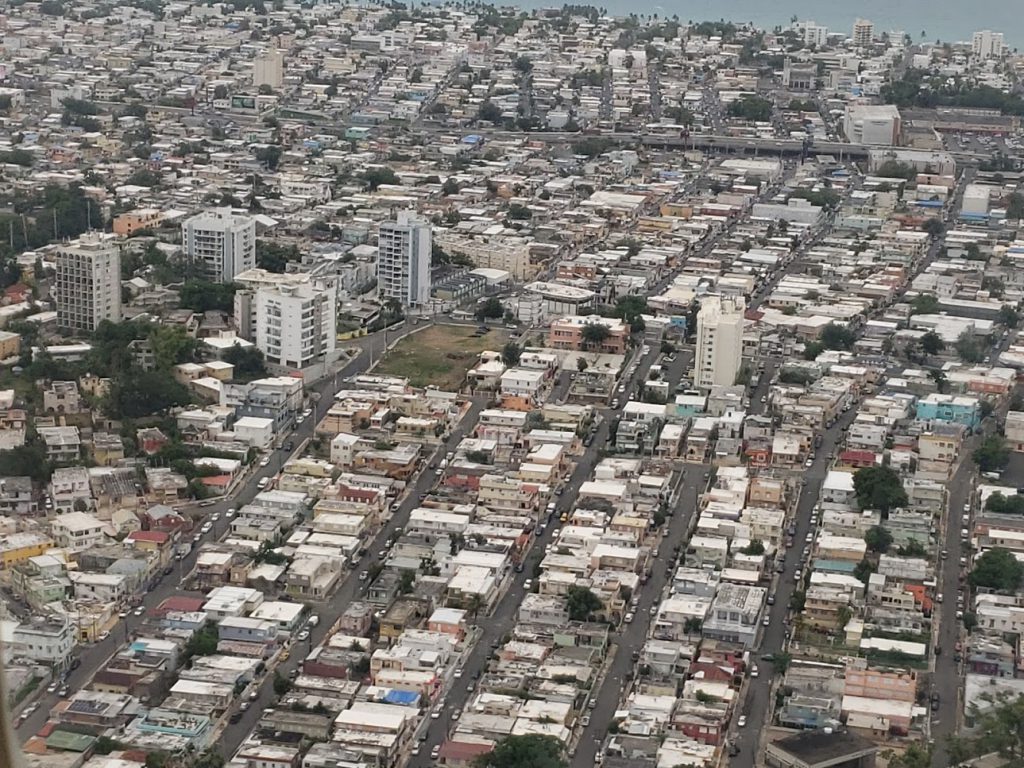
pixel 268 70
pixel 221 241
pixel 863 33
pixel 88 282
pixel 719 341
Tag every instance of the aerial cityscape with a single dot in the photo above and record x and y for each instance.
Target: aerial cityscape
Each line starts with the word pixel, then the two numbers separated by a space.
pixel 395 386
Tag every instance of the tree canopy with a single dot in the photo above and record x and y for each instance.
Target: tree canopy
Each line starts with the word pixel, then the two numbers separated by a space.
pixel 203 295
pixel 530 751
pixel 835 336
pixel 992 454
pixel 878 539
pixel 595 334
pixel 879 488
pixel 998 569
pixel 581 603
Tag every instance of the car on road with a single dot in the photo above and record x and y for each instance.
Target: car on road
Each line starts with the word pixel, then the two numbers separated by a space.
pixel 435 715
pixel 140 610
pixel 435 752
pixel 52 688
pixel 628 618
pixel 742 721
pixel 236 717
pixel 303 635
pixel 456 714
pixel 458 672
pixel 654 610
pixel 528 585
pixel 754 671
pixel 262 484
pixel 585 721
pixel 938 597
pixel 64 691
pixel 265 461
pixel 123 614
pixel 364 575
pixel 766 621
pixel 207 527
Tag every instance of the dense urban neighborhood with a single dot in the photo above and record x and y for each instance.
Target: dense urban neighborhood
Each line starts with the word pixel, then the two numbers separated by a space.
pixel 387 386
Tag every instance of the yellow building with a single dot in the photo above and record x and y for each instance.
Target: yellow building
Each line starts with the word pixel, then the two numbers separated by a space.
pixel 17 548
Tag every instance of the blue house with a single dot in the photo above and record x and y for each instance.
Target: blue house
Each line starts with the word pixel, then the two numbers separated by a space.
pixel 952 409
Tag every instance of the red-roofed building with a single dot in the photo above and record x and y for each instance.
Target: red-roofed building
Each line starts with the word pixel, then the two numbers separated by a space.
pixel 463 754
pixel 217 483
pixel 181 603
pixel 17 293
pixel 858 459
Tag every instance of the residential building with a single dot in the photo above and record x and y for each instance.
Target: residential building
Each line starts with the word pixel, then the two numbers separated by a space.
pixel 570 333
pixel 221 241
pixel 295 324
pixel 719 341
pixel 863 33
pixel 87 285
pixel 987 44
pixel 403 260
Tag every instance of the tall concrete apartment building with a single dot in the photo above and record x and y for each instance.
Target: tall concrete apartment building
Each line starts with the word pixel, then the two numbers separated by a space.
pixel 292 318
pixel 403 260
pixel 863 33
pixel 719 340
pixel 88 282
pixel 222 241
pixel 987 44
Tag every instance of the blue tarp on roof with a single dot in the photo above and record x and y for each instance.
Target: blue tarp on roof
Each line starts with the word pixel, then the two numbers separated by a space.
pixel 403 698
pixel 471 139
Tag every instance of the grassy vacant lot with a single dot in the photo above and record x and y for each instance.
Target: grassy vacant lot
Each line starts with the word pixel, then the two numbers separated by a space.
pixel 439 355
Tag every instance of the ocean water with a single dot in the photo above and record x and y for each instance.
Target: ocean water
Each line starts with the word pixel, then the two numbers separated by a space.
pixel 946 20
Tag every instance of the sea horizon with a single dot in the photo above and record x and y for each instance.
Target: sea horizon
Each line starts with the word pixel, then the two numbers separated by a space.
pixel 944 20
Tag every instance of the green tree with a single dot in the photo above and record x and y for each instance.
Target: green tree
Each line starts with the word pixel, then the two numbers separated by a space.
pixel 529 751
pixel 489 111
pixel 812 349
pixel 203 295
pixel 1015 206
pixel 879 488
pixel 136 394
pixel 992 455
pixel 274 257
pixel 835 336
pixel 630 308
pixel 375 177
pixel 581 603
pixel 1009 317
pixel 924 304
pixel 997 569
pixel 594 334
pixel 511 353
pixel 968 349
pixel 751 108
pixel 581 364
pixel 878 539
pixel 171 346
pixel 491 309
pixel 248 361
pixel 932 343
pixel 755 547
pixel 281 684
pixel 406 581
pixel 863 570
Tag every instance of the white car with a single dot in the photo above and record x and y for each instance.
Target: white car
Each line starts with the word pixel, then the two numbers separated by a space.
pixel 265 461
pixel 628 618
pixel 458 673
pixel 753 671
pixel 742 721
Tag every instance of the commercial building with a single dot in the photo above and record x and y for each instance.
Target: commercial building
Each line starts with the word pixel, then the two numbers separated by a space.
pixel 88 282
pixel 876 124
pixel 987 44
pixel 719 341
pixel 403 260
pixel 222 241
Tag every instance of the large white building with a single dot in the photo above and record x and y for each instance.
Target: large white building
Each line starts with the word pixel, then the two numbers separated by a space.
pixel 295 324
pixel 814 33
pixel 268 70
pixel 875 124
pixel 719 340
pixel 88 282
pixel 222 241
pixel 403 260
pixel 987 44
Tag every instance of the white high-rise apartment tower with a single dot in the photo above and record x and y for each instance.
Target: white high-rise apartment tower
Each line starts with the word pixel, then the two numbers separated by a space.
pixel 987 44
pixel 719 340
pixel 88 282
pixel 295 324
pixel 222 241
pixel 863 33
pixel 403 260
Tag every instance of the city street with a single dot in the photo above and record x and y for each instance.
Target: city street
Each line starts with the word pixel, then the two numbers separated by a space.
pixel 93 657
